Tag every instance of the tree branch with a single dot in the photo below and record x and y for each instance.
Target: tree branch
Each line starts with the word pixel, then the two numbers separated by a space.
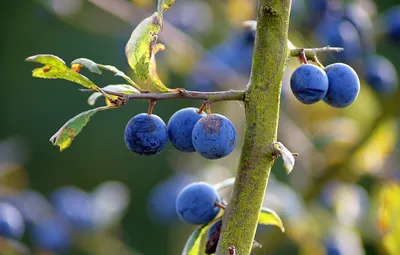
pixel 215 96
pixel 262 113
pixel 311 53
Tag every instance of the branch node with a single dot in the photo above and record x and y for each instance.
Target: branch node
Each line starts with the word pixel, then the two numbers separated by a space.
pixel 278 149
pixel 269 11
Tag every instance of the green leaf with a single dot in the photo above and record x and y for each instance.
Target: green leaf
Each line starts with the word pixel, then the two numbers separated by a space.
pixel 120 88
pixel 278 149
pixel 55 68
pixel 89 64
pixel 224 184
pixel 270 217
pixel 164 5
pixel 95 68
pixel 192 246
pixel 67 133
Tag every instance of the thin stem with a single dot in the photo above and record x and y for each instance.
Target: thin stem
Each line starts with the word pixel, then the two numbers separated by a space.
pixel 218 204
pixel 214 96
pixel 316 61
pixel 208 107
pixel 310 53
pixel 151 107
pixel 201 109
pixel 303 58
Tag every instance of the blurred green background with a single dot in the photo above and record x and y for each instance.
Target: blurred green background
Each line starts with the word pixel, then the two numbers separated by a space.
pixel 32 110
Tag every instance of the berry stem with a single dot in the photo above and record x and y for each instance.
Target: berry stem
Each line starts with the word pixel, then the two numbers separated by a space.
pixel 302 57
pixel 151 107
pixel 208 107
pixel 218 204
pixel 316 61
pixel 201 109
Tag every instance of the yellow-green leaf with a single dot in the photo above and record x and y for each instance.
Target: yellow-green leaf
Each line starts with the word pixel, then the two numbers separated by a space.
pixel 95 68
pixel 164 5
pixel 67 133
pixel 270 217
pixel 55 68
pixel 388 217
pixel 192 246
pixel 89 64
pixel 120 88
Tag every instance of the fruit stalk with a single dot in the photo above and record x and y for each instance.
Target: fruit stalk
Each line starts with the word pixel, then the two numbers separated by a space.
pixel 262 100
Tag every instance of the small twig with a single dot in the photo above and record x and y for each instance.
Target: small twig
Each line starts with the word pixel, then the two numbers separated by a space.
pixel 232 250
pixel 210 97
pixel 302 57
pixel 310 53
pixel 218 204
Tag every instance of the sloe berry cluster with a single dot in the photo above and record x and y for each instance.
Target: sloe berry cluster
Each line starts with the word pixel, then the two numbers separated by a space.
pixel 213 136
pixel 337 84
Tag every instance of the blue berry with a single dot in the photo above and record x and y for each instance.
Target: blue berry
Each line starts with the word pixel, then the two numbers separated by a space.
pixel 161 202
pixel 340 33
pixel 359 17
pixel 75 205
pixel 392 23
pixel 380 74
pixel 309 83
pixel 213 228
pixel 146 134
pixel 11 222
pixel 180 128
pixel 214 136
pixel 344 85
pixel 52 235
pixel 195 204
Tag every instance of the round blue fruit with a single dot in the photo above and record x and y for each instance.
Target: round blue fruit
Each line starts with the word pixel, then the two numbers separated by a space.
pixel 146 134
pixel 309 83
pixel 75 205
pixel 52 235
pixel 380 74
pixel 11 222
pixel 392 23
pixel 161 202
pixel 340 33
pixel 195 204
pixel 180 128
pixel 214 136
pixel 344 85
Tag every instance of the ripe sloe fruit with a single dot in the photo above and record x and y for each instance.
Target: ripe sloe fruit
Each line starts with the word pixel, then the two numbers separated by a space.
pixel 75 205
pixel 344 85
pixel 380 74
pixel 195 204
pixel 214 136
pixel 309 83
pixel 146 134
pixel 180 128
pixel 52 235
pixel 11 222
pixel 392 23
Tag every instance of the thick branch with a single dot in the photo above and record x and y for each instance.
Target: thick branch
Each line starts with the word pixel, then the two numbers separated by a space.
pixel 262 114
pixel 211 97
pixel 311 53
